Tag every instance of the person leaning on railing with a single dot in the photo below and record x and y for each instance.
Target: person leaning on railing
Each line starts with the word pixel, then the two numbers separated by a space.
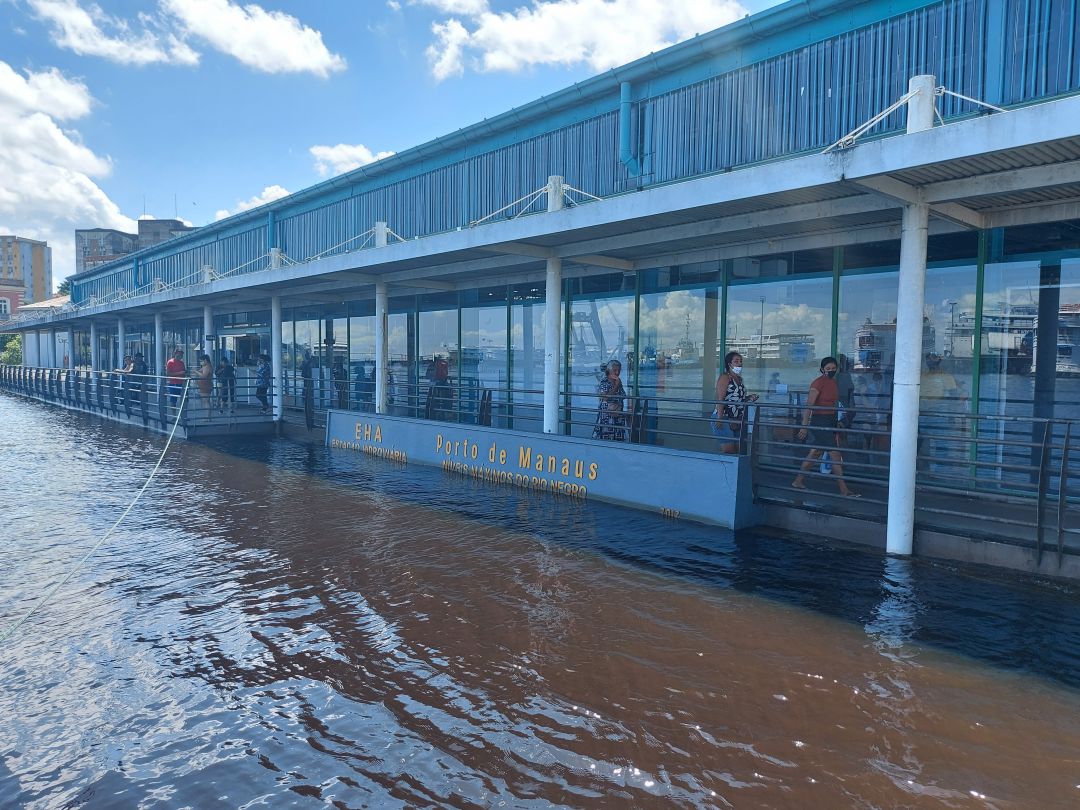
pixel 820 420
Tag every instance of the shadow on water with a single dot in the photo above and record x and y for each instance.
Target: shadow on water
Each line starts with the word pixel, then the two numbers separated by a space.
pixel 999 618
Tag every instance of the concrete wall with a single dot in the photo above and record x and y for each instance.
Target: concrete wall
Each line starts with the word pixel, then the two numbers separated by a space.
pixel 697 486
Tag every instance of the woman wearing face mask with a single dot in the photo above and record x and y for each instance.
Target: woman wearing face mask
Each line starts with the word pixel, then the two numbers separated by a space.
pixel 729 416
pixel 819 427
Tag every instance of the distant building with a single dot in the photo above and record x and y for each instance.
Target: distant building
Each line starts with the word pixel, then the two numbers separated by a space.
pixel 26 263
pixel 11 297
pixel 95 246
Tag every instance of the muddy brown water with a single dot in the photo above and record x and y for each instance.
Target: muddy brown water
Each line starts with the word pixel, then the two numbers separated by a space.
pixel 278 625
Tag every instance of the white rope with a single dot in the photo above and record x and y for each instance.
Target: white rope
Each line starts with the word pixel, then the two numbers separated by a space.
pixel 52 591
pixel 941 91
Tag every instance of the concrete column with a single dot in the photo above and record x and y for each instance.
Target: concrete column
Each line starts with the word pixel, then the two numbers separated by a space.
pixel 552 333
pixel 920 109
pixel 555 193
pixel 208 329
pixel 381 230
pixel 159 344
pixel 909 349
pixel 95 361
pixel 53 361
pixel 31 350
pixel 382 346
pixel 120 338
pixel 69 348
pixel 277 392
pixel 910 302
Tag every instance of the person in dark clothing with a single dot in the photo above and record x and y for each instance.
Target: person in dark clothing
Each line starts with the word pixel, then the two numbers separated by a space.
pixel 262 382
pixel 307 375
pixel 341 384
pixel 226 378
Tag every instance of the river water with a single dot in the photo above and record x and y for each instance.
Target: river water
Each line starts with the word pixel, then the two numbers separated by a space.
pixel 278 625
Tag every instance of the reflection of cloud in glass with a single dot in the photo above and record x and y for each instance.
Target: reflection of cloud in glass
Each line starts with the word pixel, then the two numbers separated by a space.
pixel 663 317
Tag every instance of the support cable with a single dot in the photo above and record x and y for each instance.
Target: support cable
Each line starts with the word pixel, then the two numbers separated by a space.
pixel 52 591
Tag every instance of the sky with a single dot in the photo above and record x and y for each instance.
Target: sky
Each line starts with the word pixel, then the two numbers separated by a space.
pixel 197 109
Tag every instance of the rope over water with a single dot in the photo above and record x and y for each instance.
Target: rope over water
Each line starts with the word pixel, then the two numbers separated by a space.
pixel 52 591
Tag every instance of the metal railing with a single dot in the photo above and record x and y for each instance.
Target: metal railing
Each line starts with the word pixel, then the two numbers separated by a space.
pixel 146 398
pixel 1012 478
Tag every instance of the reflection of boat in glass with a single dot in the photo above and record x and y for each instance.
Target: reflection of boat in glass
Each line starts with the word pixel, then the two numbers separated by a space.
pixel 784 348
pixel 875 345
pixel 1007 339
pixel 686 351
pixel 1068 335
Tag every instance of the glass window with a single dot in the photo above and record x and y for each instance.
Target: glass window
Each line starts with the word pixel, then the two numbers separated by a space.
pixel 527 318
pixel 402 396
pixel 1011 294
pixel 601 331
pixel 677 365
pixel 362 354
pixel 440 367
pixel 483 361
pixel 782 329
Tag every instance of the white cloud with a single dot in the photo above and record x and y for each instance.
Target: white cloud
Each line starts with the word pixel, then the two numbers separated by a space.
pixel 91 32
pixel 446 54
pixel 268 195
pixel 47 187
pixel 269 41
pixel 343 158
pixel 469 8
pixel 600 33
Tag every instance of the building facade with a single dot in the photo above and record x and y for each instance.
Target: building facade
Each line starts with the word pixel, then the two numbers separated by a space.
pixel 99 246
pixel 28 263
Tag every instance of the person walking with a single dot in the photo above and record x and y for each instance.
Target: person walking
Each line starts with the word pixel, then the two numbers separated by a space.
pixel 262 383
pixel 226 381
pixel 729 416
pixel 819 428
pixel 610 420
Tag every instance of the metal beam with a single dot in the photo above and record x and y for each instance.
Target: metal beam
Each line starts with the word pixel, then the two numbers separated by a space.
pixel 907 194
pixel 984 185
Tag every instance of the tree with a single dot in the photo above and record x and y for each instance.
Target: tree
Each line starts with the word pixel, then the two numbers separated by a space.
pixel 11 350
pixel 64 288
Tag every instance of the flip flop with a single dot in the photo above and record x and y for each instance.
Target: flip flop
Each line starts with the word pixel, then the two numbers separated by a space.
pixel 797 486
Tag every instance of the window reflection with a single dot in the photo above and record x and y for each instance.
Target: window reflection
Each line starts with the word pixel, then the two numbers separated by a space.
pixel 782 329
pixel 527 318
pixel 601 329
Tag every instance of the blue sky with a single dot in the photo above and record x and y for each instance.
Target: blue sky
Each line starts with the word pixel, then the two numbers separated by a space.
pixel 199 108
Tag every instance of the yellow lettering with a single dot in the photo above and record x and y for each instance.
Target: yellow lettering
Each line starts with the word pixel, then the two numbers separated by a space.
pixel 565 467
pixel 378 433
pixel 491 453
pixel 502 456
pixel 525 457
pixel 552 464
pixel 539 463
pixel 473 454
pixel 438 442
pixel 579 469
pixel 594 468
